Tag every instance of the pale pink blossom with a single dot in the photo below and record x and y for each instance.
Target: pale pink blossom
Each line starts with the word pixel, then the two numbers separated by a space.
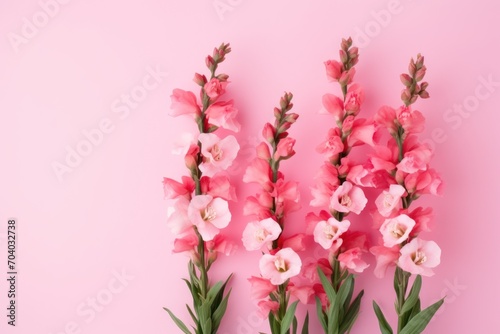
pixel 223 114
pixel 333 144
pixel 348 198
pixel 178 221
pixel 183 143
pixel 215 88
pixel 360 176
pixel 390 199
pixel 333 105
pixel 281 266
pixel 418 257
pixel 333 70
pixel 354 98
pixel 287 196
pixel 352 260
pixel 263 151
pixel 326 232
pixel 218 154
pixel 219 244
pixel 385 157
pixel 284 150
pixel 313 219
pixel 385 257
pixel 184 103
pixel 209 215
pixel 191 157
pixel 396 230
pixel 260 288
pixel 415 159
pixel 260 233
pixel 412 121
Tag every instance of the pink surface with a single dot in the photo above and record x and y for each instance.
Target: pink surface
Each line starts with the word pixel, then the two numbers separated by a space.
pixel 96 234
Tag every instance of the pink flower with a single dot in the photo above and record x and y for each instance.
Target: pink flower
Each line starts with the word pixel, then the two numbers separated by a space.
pixel 259 206
pixel 310 270
pixel 221 245
pixel 388 200
pixel 362 132
pixel 184 103
pixel 260 233
pixel 386 117
pixel 209 215
pixel 333 105
pixel 191 157
pixel 284 149
pixel 333 70
pixel 304 293
pixel 281 266
pixel 423 220
pixel 186 243
pixel 385 257
pixel 260 287
pixel 313 219
pixel 333 144
pixel 215 88
pixel 223 114
pixel 347 76
pixel 295 242
pixel 351 259
pixel 263 151
pixel 218 186
pixel 360 175
pixel 178 221
pixel 348 198
pixel 418 257
pixel 415 159
pixel 412 121
pixel 218 154
pixel 267 306
pixel 259 172
pixel 287 196
pixel 354 98
pixel 326 232
pixel 396 230
pixel 424 182
pixel 269 132
pixel 326 182
pixel 385 157
pixel 174 189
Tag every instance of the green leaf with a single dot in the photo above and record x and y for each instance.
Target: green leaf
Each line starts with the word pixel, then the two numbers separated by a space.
pixel 413 295
pixel 327 285
pixel 415 310
pixel 385 328
pixel 333 316
pixel 418 323
pixel 192 314
pixel 345 287
pixel 178 322
pixel 305 327
pixel 352 314
pixel 220 311
pixel 321 314
pixel 294 325
pixel 288 318
pixel 207 326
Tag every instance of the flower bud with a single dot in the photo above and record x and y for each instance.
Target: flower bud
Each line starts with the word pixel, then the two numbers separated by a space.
pixel 420 61
pixel 200 79
pixel 343 56
pixel 423 94
pixel 405 95
pixel 284 149
pixel 191 157
pixel 420 73
pixel 268 133
pixel 412 68
pixel 333 70
pixel 223 77
pixel 263 151
pixel 209 61
pixel 406 79
pixel 291 118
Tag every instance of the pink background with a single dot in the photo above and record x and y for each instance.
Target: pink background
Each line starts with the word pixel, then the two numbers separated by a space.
pixel 108 214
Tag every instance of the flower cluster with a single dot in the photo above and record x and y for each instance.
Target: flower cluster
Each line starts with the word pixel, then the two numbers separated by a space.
pixel 269 207
pixel 401 168
pixel 338 184
pixel 200 200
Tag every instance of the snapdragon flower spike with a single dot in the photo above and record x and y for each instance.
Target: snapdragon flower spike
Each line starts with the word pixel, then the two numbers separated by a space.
pixel 276 199
pixel 404 166
pixel 200 201
pixel 337 191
